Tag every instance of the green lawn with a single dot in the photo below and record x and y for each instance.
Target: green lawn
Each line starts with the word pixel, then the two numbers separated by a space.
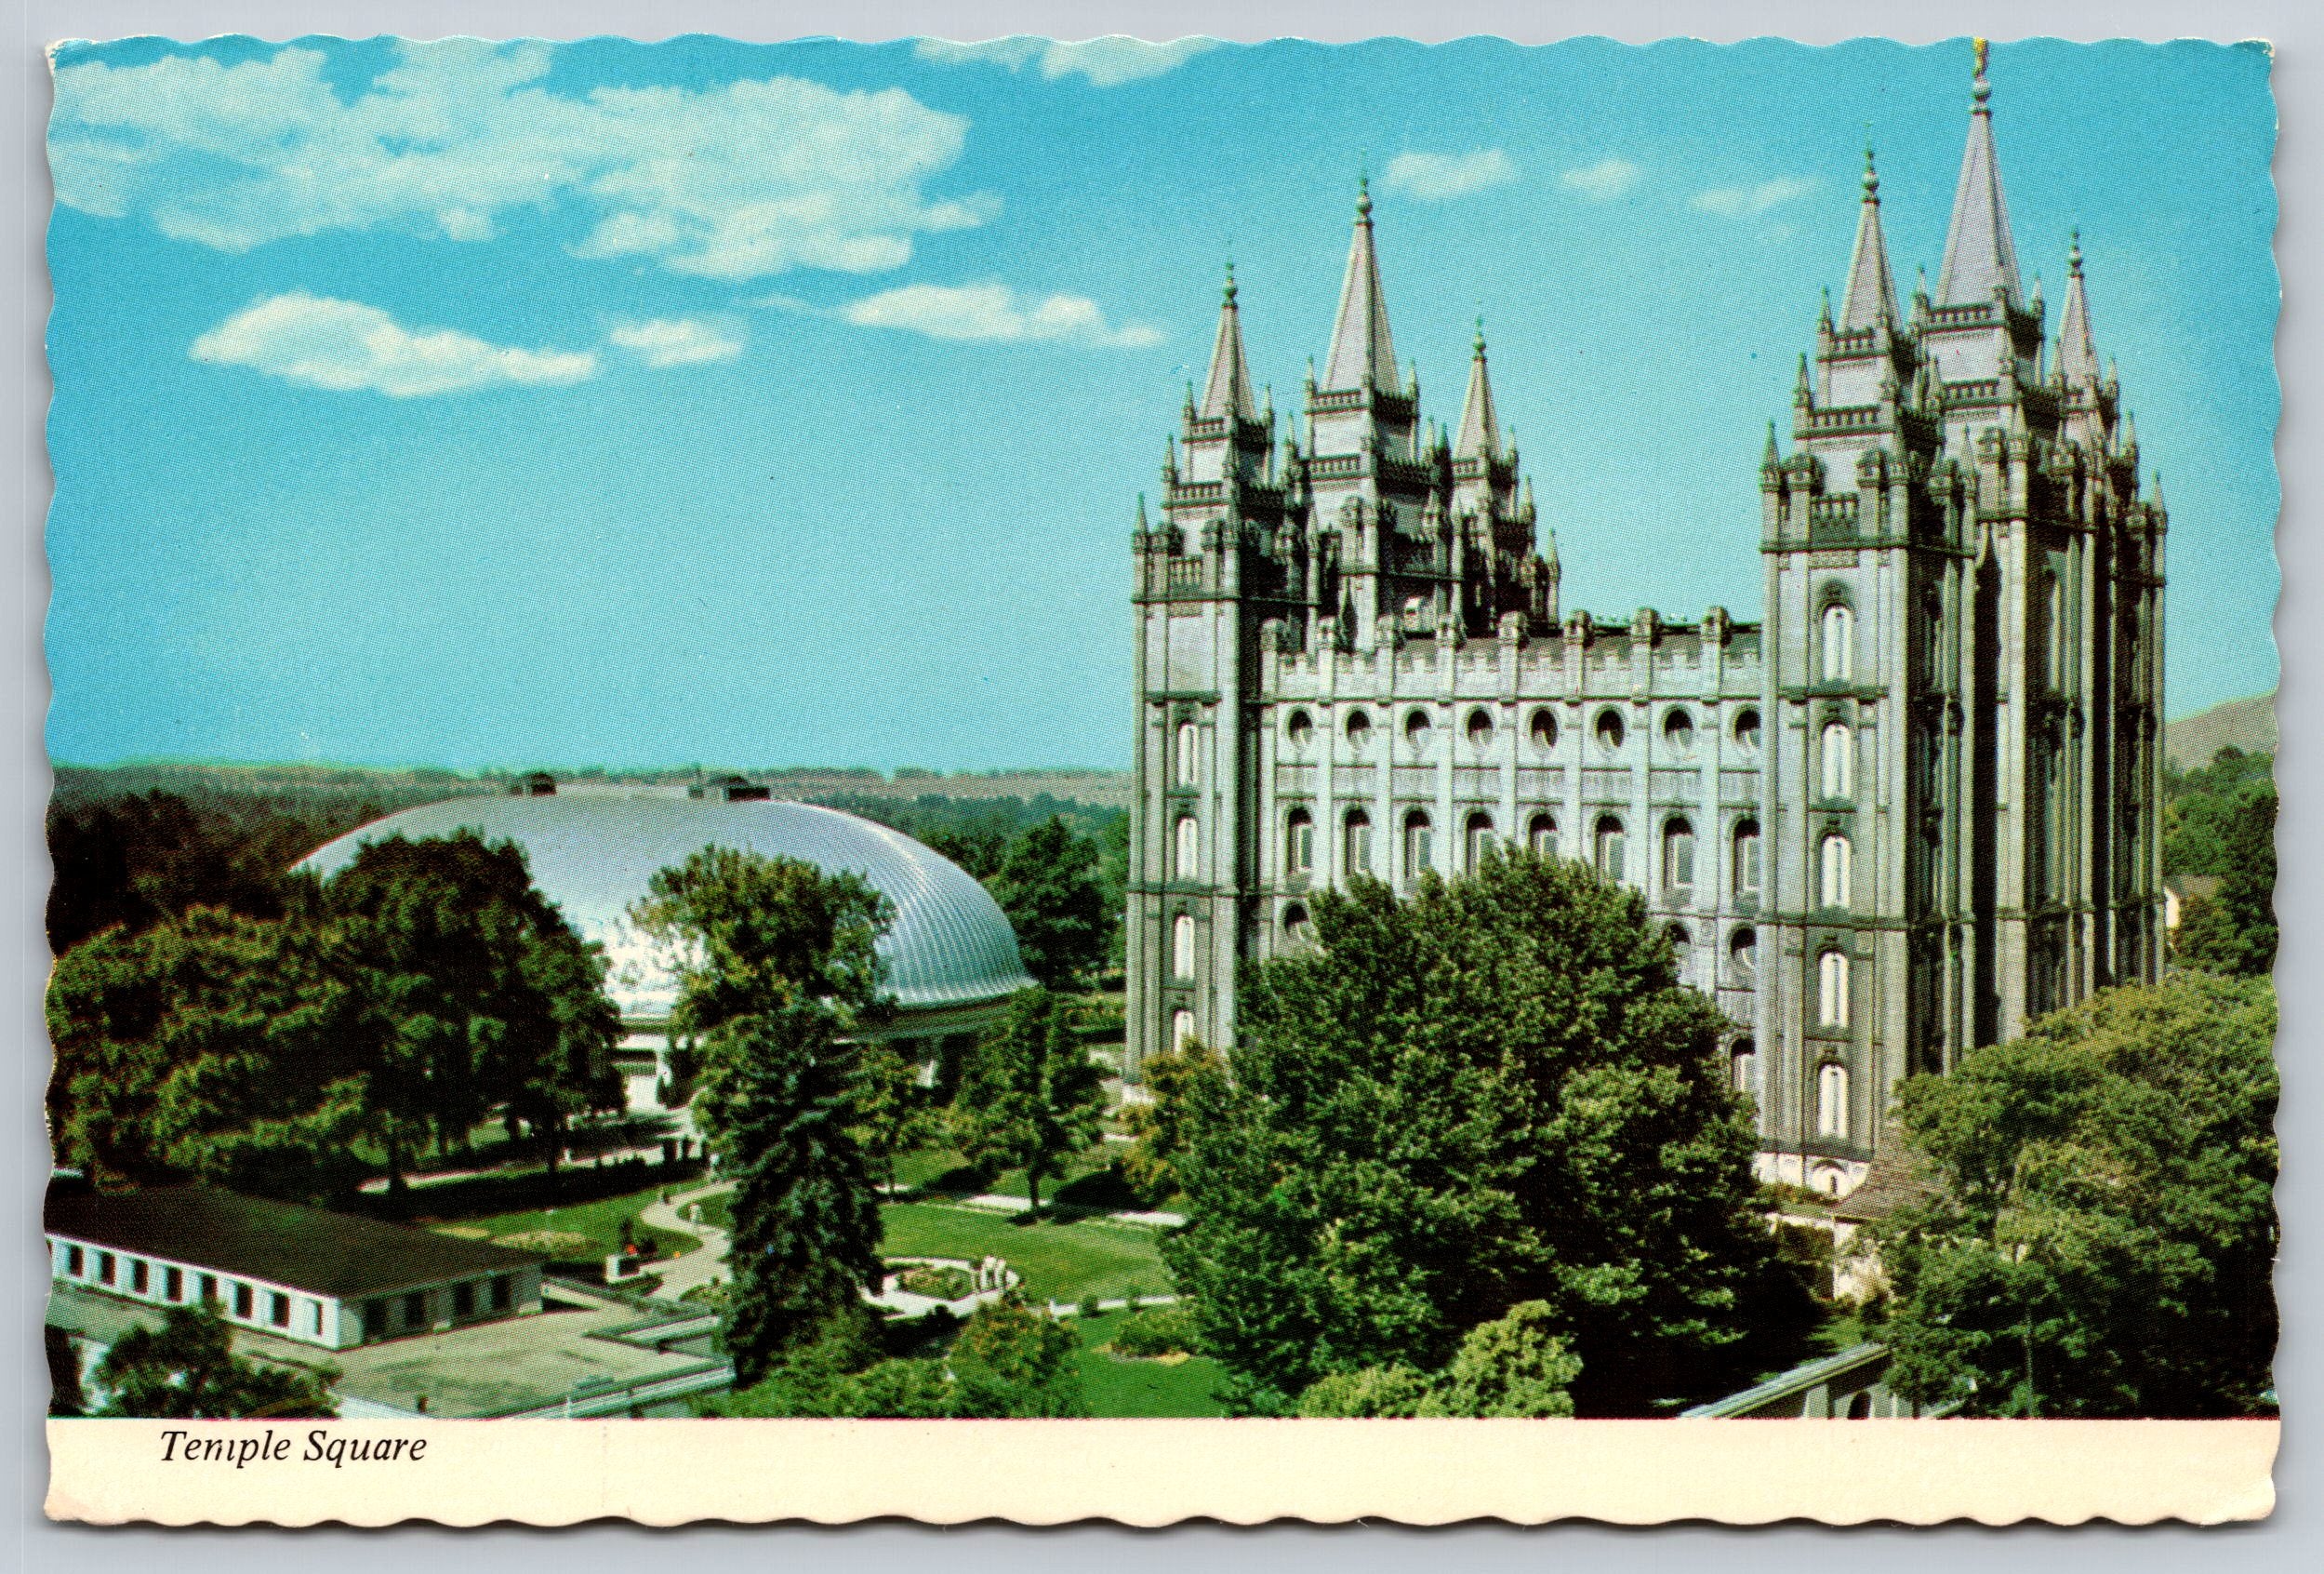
pixel 1059 1260
pixel 601 1220
pixel 1117 1387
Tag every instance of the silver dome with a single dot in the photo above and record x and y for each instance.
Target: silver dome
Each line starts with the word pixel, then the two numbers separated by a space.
pixel 593 853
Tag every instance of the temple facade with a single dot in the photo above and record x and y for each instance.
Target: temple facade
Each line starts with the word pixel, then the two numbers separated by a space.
pixel 1914 806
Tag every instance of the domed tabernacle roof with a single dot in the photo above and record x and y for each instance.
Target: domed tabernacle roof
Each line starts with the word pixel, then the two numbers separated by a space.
pixel 593 854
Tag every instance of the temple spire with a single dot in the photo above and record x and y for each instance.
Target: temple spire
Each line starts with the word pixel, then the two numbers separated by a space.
pixel 2077 354
pixel 1480 429
pixel 1979 256
pixel 1871 300
pixel 1361 350
pixel 1229 390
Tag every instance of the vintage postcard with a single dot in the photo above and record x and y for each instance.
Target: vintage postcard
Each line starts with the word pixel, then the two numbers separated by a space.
pixel 1395 781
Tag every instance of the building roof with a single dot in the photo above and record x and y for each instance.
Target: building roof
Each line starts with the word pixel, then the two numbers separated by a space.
pixel 593 852
pixel 1899 1175
pixel 331 1254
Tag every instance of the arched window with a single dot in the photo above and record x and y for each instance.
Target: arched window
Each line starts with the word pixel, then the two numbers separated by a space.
pixel 1541 835
pixel 1356 849
pixel 2057 634
pixel 1678 731
pixel 1188 762
pixel 1831 1000
pixel 1295 922
pixel 1545 729
pixel 1677 854
pixel 1838 642
pixel 1188 863
pixel 1478 837
pixel 1480 727
pixel 1182 946
pixel 1418 848
pixel 1832 1099
pixel 1359 730
pixel 1682 948
pixel 1300 731
pixel 1838 888
pixel 1742 955
pixel 1747 730
pixel 1299 843
pixel 1743 1066
pixel 1416 726
pixel 1747 869
pixel 1181 1029
pixel 1839 766
pixel 1607 846
pixel 1609 729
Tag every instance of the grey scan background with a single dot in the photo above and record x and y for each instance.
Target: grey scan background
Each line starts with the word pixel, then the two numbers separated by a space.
pixel 30 1541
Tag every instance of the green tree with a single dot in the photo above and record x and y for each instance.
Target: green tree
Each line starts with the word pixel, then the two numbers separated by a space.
pixel 1015 1360
pixel 2103 1243
pixel 1158 1129
pixel 806 1222
pixel 1032 1095
pixel 1512 1366
pixel 475 991
pixel 892 1109
pixel 210 1046
pixel 186 1369
pixel 2233 931
pixel 779 967
pixel 1048 885
pixel 1495 1093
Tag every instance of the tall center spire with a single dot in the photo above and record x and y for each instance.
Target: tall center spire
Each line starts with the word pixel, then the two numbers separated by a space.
pixel 1361 350
pixel 1872 301
pixel 1979 256
pixel 1480 429
pixel 1229 390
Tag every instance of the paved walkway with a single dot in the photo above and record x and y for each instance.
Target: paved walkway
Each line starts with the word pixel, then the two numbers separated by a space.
pixel 999 1203
pixel 706 1263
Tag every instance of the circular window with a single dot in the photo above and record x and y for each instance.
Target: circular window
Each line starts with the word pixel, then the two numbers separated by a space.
pixel 1300 730
pixel 1747 728
pixel 1545 729
pixel 1359 727
pixel 1678 731
pixel 1480 728
pixel 1610 729
pixel 1416 726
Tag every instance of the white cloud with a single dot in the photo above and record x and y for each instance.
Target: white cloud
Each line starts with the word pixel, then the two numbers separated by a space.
pixel 1441 177
pixel 1106 62
pixel 345 345
pixel 1602 182
pixel 994 311
pixel 734 182
pixel 678 341
pixel 1742 202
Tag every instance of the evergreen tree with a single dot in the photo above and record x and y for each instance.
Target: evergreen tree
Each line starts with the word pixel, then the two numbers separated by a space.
pixel 2106 1231
pixel 1158 1129
pixel 1048 885
pixel 1495 1093
pixel 187 1370
pixel 2233 931
pixel 891 1106
pixel 1033 1096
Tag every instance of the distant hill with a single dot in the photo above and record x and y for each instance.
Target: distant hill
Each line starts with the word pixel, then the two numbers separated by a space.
pixel 2249 725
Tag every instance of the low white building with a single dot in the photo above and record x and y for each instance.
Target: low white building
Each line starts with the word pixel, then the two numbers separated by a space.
pixel 301 1273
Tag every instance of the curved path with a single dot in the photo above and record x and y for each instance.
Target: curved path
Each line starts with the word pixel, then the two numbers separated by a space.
pixel 706 1263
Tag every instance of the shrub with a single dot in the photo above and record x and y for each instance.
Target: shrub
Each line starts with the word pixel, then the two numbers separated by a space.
pixel 1165 1330
pixel 1089 1307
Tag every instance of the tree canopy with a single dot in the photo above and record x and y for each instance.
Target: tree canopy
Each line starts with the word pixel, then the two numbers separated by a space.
pixel 2105 1236
pixel 1032 1095
pixel 186 1371
pixel 1048 885
pixel 2233 931
pixel 1495 1093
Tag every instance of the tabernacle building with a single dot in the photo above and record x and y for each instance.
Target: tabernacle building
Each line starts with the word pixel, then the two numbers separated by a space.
pixel 1914 807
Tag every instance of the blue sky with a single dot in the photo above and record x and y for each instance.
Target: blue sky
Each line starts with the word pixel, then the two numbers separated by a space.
pixel 626 404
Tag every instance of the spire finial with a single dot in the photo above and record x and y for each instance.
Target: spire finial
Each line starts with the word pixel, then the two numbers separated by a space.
pixel 1230 281
pixel 1823 313
pixel 1363 184
pixel 1481 335
pixel 1981 89
pixel 2073 252
pixel 1872 175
